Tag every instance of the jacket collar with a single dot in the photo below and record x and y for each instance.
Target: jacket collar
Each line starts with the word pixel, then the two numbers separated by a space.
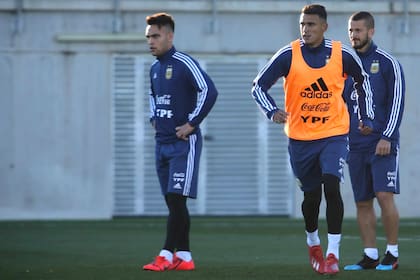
pixel 167 55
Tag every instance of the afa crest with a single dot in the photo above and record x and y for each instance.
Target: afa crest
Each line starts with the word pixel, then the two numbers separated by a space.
pixel 327 59
pixel 374 67
pixel 168 74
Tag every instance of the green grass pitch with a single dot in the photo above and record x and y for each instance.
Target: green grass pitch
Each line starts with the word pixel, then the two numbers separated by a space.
pixel 223 248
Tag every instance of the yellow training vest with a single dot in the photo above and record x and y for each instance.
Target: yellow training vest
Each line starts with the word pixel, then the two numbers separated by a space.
pixel 313 97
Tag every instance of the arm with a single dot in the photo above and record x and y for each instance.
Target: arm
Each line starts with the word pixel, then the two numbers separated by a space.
pixel 152 105
pixel 353 67
pixel 395 105
pixel 277 67
pixel 395 102
pixel 206 96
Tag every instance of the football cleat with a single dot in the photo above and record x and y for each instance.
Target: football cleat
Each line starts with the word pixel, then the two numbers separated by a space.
pixel 331 265
pixel 389 262
pixel 365 263
pixel 180 264
pixel 159 264
pixel 316 258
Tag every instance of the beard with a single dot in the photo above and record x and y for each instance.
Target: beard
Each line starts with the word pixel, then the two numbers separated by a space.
pixel 360 44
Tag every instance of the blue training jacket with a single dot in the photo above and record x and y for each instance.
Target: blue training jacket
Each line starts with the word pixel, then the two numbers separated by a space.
pixel 387 81
pixel 180 92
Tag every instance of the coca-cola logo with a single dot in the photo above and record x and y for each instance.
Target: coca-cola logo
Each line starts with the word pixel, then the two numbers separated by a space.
pixel 321 107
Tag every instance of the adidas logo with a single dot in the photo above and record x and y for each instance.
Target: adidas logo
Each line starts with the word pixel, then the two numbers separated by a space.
pixel 316 265
pixel 316 90
pixel 178 186
pixel 392 177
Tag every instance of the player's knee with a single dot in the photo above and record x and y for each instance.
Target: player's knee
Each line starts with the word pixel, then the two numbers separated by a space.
pixel 313 197
pixel 331 185
pixel 330 180
pixel 385 199
pixel 385 196
pixel 175 201
pixel 366 204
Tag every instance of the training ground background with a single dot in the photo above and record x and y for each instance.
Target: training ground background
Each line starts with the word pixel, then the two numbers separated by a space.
pixel 59 125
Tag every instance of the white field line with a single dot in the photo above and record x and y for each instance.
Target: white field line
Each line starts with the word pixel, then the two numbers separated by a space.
pixel 410 239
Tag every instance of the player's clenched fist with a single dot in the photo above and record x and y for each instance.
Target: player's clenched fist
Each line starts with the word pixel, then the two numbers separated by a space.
pixel 280 116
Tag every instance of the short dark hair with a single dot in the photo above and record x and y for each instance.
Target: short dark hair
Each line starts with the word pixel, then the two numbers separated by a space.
pixel 366 16
pixel 161 19
pixel 315 9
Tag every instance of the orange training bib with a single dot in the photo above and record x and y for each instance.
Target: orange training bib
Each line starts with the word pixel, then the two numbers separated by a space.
pixel 313 97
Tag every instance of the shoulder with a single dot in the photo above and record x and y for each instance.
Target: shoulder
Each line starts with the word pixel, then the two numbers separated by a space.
pixel 154 64
pixel 349 51
pixel 154 67
pixel 345 50
pixel 286 49
pixel 282 57
pixel 350 55
pixel 387 58
pixel 328 43
pixel 189 66
pixel 184 58
pixel 283 53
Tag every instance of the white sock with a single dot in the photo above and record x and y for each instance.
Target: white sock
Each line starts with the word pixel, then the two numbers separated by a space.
pixel 184 255
pixel 393 249
pixel 167 254
pixel 372 253
pixel 334 244
pixel 312 238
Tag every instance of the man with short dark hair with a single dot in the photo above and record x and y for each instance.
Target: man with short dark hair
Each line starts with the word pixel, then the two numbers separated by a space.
pixel 181 96
pixel 373 159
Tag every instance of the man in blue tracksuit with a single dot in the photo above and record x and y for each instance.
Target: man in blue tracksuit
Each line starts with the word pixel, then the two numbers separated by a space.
pixel 181 96
pixel 373 159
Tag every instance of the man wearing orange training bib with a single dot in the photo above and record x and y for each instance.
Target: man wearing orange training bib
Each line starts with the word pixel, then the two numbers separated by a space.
pixel 317 122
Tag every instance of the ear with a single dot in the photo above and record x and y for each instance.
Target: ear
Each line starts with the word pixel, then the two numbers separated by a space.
pixel 171 36
pixel 371 32
pixel 325 26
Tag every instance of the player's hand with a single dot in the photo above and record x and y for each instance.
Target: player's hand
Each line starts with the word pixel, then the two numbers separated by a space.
pixel 280 116
pixel 383 148
pixel 183 131
pixel 365 129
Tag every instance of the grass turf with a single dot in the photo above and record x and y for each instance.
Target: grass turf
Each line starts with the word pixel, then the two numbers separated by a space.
pixel 223 248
